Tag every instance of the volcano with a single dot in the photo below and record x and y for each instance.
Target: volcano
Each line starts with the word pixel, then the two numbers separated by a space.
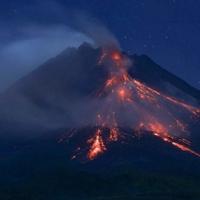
pixel 110 86
pixel 106 111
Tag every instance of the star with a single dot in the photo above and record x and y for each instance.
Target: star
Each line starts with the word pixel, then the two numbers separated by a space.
pixel 166 37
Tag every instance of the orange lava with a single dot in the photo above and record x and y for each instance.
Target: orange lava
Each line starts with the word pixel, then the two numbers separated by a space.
pixel 97 145
pixel 114 134
pixel 110 82
pixel 151 94
pixel 184 148
pixel 116 56
pixel 157 128
pixel 160 131
pixel 122 93
pixel 121 88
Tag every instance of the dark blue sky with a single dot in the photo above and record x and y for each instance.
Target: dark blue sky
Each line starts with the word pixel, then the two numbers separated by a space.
pixel 166 30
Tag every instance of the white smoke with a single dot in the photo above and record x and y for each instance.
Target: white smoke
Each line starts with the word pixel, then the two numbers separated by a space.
pixel 38 44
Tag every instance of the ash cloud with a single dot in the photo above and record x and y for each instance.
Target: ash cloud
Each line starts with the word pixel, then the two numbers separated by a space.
pixel 34 45
pixel 94 29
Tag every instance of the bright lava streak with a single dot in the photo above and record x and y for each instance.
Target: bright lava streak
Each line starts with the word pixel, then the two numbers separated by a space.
pixel 97 145
pixel 124 89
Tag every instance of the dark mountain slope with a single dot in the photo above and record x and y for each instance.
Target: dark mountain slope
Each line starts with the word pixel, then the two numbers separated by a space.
pixel 157 77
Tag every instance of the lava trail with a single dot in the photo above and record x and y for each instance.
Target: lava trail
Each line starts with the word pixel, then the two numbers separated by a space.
pixel 145 108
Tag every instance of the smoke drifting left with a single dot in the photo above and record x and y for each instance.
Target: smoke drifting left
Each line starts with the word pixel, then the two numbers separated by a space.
pixel 36 42
pixel 94 29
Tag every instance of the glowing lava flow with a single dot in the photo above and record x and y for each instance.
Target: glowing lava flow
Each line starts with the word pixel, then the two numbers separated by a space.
pixel 97 145
pixel 159 131
pixel 149 108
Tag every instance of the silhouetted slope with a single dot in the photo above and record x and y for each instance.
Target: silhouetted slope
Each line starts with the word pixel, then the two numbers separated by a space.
pixel 152 74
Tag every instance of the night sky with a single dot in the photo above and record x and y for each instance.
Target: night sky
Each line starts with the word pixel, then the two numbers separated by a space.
pixel 166 30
